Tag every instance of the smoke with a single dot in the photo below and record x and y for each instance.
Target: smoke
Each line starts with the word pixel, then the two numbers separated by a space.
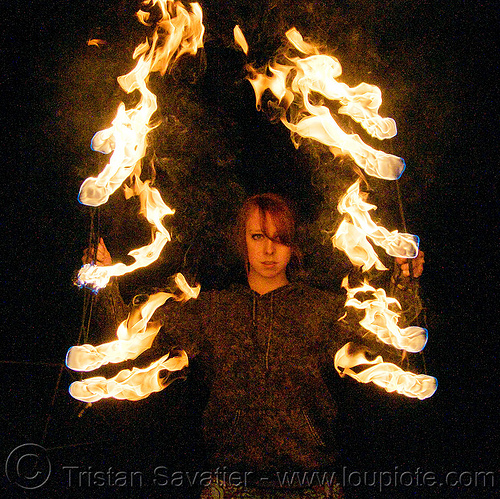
pixel 212 148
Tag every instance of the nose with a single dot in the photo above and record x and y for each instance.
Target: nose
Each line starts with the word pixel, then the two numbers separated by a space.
pixel 269 246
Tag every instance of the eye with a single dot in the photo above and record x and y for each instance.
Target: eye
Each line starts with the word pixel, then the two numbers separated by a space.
pixel 257 237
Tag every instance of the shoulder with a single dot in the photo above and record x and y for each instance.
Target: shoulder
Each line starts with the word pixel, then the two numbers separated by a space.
pixel 232 295
pixel 234 291
pixel 320 297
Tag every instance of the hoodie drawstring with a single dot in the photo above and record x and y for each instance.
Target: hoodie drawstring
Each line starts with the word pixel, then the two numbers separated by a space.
pixel 254 310
pixel 270 331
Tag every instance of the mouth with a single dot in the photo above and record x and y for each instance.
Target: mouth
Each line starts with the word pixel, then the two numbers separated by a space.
pixel 269 264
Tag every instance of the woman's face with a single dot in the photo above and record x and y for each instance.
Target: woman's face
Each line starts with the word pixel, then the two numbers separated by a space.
pixel 268 259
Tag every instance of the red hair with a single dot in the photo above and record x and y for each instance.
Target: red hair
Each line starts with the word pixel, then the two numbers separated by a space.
pixel 282 215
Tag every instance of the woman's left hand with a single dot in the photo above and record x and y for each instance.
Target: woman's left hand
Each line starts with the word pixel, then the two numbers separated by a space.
pixel 417 265
pixel 102 257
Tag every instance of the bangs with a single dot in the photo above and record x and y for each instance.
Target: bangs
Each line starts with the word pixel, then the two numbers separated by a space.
pixel 281 214
pixel 283 222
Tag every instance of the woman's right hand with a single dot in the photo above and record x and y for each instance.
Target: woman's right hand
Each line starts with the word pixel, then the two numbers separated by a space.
pixel 103 257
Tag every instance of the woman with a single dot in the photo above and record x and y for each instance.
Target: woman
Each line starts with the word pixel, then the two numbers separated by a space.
pixel 268 423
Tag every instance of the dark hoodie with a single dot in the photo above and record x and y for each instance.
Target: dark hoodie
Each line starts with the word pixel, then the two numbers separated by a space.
pixel 265 359
pixel 269 405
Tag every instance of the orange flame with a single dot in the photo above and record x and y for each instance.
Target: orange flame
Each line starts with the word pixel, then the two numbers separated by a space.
pixel 351 236
pixel 135 384
pixel 96 42
pixel 240 39
pixel 135 335
pixel 132 341
pixel 177 32
pixel 382 321
pixel 154 209
pixel 295 81
pixel 384 374
pixel 353 242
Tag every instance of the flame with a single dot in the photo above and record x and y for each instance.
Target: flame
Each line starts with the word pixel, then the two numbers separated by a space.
pixel 384 374
pixel 240 39
pixel 133 339
pixel 351 236
pixel 297 84
pixel 382 321
pixel 353 242
pixel 177 32
pixel 135 384
pixel 96 42
pixel 303 84
pixel 135 335
pixel 294 82
pixel 154 209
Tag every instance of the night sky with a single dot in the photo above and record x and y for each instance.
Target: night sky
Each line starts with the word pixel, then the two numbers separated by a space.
pixel 435 64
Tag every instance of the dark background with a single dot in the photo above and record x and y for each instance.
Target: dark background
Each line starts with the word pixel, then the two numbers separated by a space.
pixel 435 63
